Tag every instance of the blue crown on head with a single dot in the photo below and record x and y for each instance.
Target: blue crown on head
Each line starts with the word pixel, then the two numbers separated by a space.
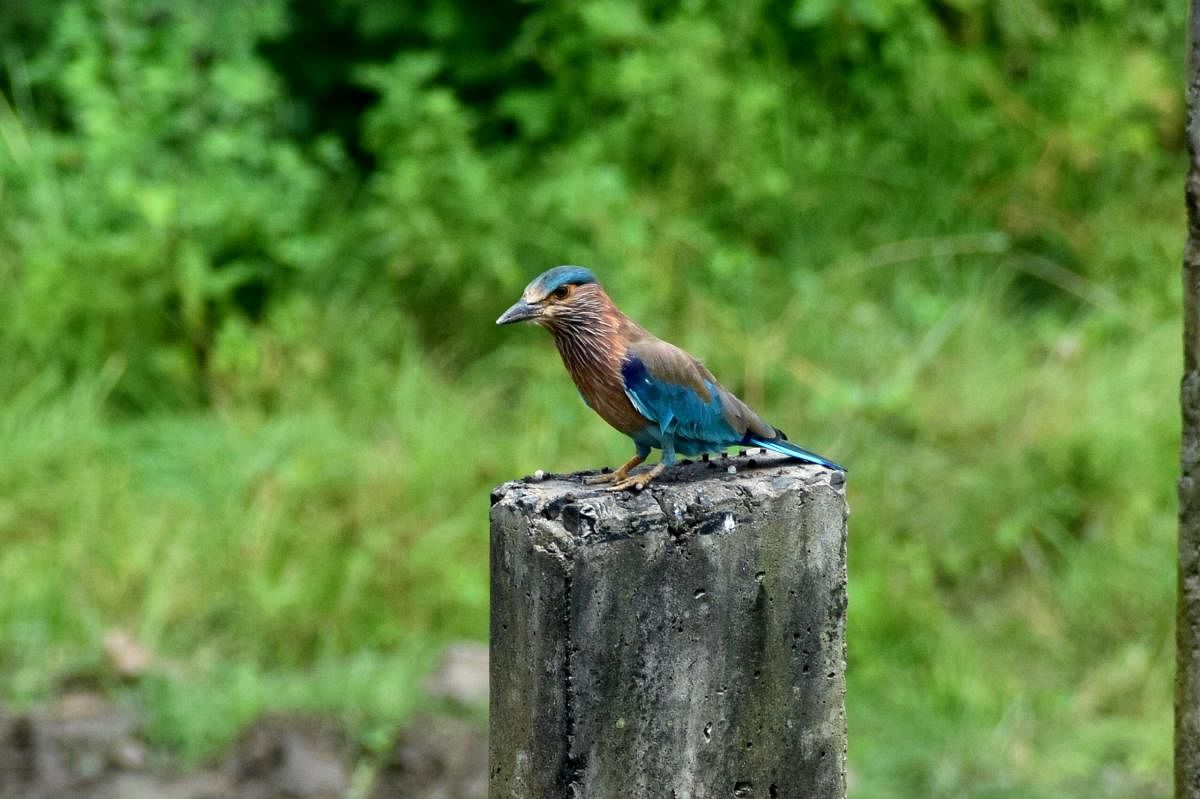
pixel 552 279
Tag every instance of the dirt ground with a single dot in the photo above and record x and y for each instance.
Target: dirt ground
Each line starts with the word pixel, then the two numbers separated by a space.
pixel 85 747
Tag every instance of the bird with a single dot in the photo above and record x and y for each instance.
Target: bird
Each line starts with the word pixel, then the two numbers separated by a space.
pixel 649 389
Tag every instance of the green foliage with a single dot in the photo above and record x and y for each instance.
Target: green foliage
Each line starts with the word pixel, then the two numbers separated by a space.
pixel 165 202
pixel 250 255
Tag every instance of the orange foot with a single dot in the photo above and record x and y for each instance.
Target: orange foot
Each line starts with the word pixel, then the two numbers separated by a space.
pixel 615 477
pixel 638 481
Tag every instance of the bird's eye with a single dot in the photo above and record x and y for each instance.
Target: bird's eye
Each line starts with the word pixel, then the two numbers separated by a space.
pixel 561 292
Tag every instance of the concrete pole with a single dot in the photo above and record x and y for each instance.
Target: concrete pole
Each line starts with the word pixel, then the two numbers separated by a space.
pixel 1187 679
pixel 684 642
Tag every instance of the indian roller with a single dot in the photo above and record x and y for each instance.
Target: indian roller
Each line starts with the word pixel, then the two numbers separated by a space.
pixel 649 389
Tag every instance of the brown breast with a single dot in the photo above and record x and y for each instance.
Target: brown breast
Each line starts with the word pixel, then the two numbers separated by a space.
pixel 594 363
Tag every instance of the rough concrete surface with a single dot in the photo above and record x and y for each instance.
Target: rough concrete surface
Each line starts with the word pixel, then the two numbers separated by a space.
pixel 1187 681
pixel 687 641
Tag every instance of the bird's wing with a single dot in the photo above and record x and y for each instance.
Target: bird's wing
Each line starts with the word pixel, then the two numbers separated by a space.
pixel 676 391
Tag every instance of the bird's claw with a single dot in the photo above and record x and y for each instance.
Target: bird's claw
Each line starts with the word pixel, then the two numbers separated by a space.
pixel 638 481
pixel 618 476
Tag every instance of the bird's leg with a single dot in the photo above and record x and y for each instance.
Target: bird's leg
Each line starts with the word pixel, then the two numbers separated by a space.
pixel 640 481
pixel 621 473
pixel 617 476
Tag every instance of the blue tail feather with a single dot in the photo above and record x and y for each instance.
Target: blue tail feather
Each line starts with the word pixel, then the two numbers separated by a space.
pixel 784 447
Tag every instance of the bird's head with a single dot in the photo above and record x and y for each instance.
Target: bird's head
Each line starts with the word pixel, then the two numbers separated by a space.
pixel 557 296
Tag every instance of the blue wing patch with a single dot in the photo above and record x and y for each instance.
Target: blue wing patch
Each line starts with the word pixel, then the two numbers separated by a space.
pixel 683 420
pixel 698 425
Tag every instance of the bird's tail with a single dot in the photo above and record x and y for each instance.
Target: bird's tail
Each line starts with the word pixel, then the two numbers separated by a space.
pixel 785 447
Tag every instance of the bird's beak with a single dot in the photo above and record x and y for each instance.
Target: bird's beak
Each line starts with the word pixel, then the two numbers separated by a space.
pixel 520 312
